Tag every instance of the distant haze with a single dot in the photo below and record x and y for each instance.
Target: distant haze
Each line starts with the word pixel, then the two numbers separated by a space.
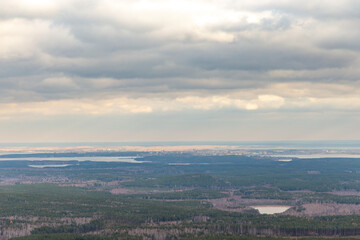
pixel 164 70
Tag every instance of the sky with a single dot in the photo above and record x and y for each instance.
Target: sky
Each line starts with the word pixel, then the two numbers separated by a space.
pixel 166 70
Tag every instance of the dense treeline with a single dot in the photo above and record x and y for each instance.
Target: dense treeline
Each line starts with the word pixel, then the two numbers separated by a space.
pixel 209 172
pixel 65 236
pixel 181 195
pixel 119 213
pixel 299 197
pixel 83 228
pixel 232 237
pixel 180 181
pixel 195 179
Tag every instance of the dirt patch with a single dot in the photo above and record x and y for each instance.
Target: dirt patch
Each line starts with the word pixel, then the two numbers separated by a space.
pixel 346 193
pixel 326 209
pixel 238 204
pixel 125 191
pixel 132 191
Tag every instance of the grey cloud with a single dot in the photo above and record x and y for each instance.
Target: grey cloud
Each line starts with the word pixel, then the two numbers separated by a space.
pixel 346 44
pixel 348 39
pixel 194 61
pixel 19 68
pixel 281 23
pixel 262 58
pixel 318 9
pixel 139 60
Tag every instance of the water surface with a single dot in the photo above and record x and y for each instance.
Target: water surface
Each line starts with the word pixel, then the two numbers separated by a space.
pixel 50 166
pixel 271 209
pixel 80 159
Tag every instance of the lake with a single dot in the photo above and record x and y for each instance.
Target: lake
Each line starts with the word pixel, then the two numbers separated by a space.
pixel 80 159
pixel 268 209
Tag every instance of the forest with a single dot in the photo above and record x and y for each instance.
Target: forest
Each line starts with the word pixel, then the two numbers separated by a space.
pixel 178 196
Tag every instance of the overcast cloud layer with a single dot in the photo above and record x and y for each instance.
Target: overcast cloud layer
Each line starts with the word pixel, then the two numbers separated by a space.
pixel 76 59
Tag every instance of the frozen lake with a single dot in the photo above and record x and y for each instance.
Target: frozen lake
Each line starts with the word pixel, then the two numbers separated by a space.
pixel 271 209
pixel 317 155
pixel 50 166
pixel 80 159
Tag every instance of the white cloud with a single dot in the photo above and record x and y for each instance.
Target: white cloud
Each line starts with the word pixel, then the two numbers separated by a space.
pixel 131 106
pixel 140 56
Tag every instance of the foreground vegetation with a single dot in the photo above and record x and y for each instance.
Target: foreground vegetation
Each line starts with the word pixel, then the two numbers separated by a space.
pixel 159 200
